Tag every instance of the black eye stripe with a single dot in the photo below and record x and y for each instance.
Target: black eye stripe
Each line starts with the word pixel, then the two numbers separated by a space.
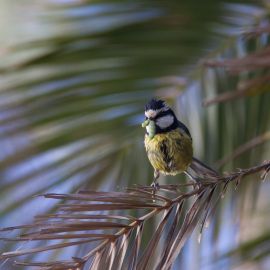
pixel 164 113
pixel 161 114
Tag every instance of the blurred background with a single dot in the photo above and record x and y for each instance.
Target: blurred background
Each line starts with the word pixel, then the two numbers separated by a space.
pixel 74 78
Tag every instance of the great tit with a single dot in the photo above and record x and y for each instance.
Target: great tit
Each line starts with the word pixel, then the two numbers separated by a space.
pixel 168 143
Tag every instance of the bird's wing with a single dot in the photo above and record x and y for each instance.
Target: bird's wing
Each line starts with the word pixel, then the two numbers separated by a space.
pixel 184 128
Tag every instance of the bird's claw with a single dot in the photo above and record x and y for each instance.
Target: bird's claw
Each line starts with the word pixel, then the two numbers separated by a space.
pixel 155 185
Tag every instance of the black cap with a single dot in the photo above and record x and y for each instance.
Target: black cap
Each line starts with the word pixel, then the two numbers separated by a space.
pixel 154 104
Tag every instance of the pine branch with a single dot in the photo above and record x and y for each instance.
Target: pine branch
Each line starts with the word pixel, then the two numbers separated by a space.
pixel 102 221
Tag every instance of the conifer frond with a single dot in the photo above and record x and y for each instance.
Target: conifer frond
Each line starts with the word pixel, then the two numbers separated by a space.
pixel 103 221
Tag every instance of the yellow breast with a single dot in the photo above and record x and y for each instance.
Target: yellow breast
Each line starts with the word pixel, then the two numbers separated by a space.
pixel 170 153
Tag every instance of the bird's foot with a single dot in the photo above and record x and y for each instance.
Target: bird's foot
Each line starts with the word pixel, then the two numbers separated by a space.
pixel 155 185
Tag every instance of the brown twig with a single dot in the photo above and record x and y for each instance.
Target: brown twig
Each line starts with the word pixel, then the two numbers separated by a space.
pixel 116 233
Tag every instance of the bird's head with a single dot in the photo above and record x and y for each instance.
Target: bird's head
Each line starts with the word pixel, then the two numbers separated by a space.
pixel 159 112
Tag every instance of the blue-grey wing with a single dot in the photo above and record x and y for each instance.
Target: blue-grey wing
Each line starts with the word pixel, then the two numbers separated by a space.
pixel 184 128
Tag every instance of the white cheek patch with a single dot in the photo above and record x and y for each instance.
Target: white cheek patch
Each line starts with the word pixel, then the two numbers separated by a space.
pixel 165 121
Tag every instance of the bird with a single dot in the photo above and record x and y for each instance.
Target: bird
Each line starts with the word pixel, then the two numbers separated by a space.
pixel 168 144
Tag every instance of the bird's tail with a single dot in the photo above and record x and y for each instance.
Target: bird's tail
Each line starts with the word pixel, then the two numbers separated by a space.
pixel 202 170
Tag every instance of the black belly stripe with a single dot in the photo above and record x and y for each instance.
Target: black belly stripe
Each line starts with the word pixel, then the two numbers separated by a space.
pixel 165 153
